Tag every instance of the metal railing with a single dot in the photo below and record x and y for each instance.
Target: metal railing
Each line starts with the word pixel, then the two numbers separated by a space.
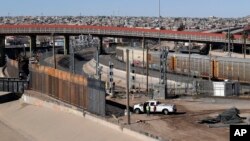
pixel 13 85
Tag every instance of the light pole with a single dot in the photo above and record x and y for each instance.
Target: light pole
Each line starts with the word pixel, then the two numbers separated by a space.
pixel 97 59
pixel 228 36
pixel 159 22
pixel 210 67
pixel 189 65
pixel 159 8
pixel 147 65
pixel 127 87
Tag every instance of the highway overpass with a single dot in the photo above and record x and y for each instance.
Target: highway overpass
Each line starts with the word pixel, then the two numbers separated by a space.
pixel 102 31
pixel 105 31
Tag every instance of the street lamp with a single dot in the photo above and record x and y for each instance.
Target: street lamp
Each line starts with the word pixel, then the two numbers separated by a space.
pixel 159 21
pixel 159 8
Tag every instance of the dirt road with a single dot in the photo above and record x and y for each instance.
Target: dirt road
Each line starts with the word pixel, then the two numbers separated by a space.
pixel 184 125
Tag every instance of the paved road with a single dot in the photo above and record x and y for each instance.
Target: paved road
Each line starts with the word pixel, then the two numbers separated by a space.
pixel 22 122
pixel 9 134
pixel 81 58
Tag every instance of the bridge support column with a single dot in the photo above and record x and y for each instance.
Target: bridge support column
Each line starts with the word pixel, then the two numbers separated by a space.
pixel 2 51
pixel 66 44
pixel 100 49
pixel 32 44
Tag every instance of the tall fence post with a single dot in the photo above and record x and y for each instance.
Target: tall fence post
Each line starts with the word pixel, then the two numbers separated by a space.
pixel 127 88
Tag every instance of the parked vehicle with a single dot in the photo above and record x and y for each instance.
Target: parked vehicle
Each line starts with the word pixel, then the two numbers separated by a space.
pixel 155 107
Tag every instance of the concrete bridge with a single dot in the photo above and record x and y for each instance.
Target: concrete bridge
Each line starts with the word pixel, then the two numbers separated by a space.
pixel 104 31
pixel 232 29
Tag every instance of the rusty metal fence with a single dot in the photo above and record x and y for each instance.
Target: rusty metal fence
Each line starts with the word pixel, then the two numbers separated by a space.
pixel 74 89
pixel 67 87
pixel 77 90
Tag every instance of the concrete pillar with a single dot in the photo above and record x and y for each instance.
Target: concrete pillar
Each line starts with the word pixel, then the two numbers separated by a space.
pixel 32 44
pixel 66 44
pixel 54 52
pixel 101 50
pixel 2 51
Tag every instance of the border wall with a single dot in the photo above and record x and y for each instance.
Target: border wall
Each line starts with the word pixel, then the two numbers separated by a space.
pixel 77 90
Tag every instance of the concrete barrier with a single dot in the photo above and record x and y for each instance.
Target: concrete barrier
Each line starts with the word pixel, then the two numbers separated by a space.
pixel 57 106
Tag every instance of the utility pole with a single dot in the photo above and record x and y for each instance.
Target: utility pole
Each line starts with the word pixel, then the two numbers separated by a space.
pixel 189 65
pixel 97 61
pixel 147 90
pixel 228 36
pixel 210 68
pixel 97 57
pixel 189 58
pixel 245 48
pixel 163 66
pixel 245 35
pixel 159 22
pixel 110 76
pixel 163 70
pixel 159 8
pixel 127 88
pixel 143 59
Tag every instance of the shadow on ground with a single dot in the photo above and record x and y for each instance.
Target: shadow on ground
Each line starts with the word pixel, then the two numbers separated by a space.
pixel 9 97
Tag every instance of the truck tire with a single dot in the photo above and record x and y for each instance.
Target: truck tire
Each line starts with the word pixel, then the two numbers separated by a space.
pixel 137 111
pixel 165 112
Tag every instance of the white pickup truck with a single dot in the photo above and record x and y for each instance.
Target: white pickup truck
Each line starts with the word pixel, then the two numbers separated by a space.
pixel 155 107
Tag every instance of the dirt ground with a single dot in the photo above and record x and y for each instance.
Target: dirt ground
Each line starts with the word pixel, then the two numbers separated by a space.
pixel 184 124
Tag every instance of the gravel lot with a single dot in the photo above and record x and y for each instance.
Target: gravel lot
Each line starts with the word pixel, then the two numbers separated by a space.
pixel 183 125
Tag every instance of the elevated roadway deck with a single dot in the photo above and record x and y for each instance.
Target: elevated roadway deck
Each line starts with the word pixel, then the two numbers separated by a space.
pixel 114 32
